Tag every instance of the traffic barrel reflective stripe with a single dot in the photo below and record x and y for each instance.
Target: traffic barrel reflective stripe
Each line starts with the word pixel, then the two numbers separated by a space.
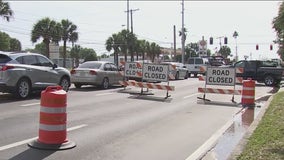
pixel 248 93
pixel 52 120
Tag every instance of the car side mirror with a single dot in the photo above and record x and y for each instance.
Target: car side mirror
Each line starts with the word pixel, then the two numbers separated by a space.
pixel 54 66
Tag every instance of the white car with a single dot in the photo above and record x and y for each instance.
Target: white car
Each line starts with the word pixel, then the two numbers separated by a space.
pixel 97 73
pixel 179 70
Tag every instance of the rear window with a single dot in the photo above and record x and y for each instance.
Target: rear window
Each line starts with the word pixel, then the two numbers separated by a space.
pixel 4 58
pixel 198 61
pixel 90 65
pixel 190 61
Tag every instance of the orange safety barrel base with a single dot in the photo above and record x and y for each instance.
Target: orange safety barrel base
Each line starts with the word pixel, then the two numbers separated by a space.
pixel 63 146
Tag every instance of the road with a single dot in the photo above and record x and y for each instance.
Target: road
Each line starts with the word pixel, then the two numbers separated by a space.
pixel 119 124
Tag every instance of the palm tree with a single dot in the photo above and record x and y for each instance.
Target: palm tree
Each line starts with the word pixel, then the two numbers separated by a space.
pixel 68 34
pixel 113 43
pixel 48 30
pixel 75 53
pixel 153 50
pixel 141 48
pixel 5 10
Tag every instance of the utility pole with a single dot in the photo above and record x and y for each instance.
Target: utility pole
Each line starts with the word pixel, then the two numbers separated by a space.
pixel 131 12
pixel 182 34
pixel 175 41
pixel 127 15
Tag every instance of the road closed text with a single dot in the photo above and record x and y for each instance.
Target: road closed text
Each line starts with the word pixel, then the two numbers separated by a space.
pixel 220 76
pixel 155 72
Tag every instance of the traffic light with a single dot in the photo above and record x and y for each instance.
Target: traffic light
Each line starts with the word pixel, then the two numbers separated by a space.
pixel 256 47
pixel 211 40
pixel 271 47
pixel 225 40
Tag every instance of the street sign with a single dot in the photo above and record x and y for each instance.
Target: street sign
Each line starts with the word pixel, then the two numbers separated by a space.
pixel 155 72
pixel 133 69
pixel 220 76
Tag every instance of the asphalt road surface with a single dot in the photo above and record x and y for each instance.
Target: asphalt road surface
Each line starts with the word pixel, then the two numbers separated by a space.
pixel 121 124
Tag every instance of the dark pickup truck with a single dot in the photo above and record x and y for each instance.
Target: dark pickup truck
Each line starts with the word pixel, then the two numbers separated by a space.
pixel 265 72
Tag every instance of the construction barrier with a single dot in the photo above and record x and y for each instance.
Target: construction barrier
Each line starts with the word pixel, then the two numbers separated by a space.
pixel 147 85
pixel 148 72
pixel 248 93
pixel 52 121
pixel 220 76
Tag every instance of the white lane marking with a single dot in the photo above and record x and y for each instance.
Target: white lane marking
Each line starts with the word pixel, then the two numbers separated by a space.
pixel 30 104
pixel 103 94
pixel 191 95
pixel 209 143
pixel 34 138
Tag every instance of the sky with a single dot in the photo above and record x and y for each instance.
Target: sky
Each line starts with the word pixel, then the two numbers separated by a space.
pixel 154 20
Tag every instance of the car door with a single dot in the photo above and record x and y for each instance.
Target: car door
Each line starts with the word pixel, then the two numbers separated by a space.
pixel 35 74
pixel 49 75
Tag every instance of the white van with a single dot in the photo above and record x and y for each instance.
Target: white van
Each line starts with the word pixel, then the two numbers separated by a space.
pixel 193 65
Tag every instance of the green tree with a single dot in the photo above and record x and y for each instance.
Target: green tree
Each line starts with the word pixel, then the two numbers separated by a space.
pixel 141 48
pixel 68 34
pixel 75 53
pixel 88 54
pixel 278 25
pixel 4 41
pixel 48 30
pixel 225 51
pixel 113 43
pixel 191 50
pixel 15 45
pixel 153 50
pixel 5 10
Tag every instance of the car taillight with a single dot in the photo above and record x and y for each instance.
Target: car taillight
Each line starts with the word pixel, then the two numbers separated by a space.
pixel 92 72
pixel 72 71
pixel 4 68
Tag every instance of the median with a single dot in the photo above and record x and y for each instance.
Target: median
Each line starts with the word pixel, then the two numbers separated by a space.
pixel 267 140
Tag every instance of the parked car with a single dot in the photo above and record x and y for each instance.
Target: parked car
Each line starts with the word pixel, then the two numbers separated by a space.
pixel 261 71
pixel 22 73
pixel 193 65
pixel 97 73
pixel 180 71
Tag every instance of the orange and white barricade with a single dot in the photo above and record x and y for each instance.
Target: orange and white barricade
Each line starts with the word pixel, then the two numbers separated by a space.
pixel 220 76
pixel 52 121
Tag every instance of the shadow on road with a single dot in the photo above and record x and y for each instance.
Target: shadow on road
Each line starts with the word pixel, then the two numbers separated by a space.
pixel 33 154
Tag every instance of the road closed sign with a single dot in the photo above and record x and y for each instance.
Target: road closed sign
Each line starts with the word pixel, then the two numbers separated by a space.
pixel 220 76
pixel 133 69
pixel 155 72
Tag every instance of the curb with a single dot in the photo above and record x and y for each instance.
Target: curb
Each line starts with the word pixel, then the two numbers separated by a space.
pixel 241 145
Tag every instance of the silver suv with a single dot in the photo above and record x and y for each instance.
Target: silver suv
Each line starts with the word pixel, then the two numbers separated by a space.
pixel 22 73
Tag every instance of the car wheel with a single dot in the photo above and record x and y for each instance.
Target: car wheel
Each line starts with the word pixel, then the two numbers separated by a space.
pixel 177 76
pixel 105 83
pixel 186 75
pixel 23 88
pixel 77 85
pixel 65 83
pixel 269 80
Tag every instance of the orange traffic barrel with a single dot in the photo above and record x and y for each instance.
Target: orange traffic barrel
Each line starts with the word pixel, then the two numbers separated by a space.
pixel 248 93
pixel 52 121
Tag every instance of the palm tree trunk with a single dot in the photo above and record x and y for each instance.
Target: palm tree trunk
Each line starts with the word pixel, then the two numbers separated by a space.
pixel 64 54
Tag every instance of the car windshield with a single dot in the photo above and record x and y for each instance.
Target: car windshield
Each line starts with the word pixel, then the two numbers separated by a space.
pixel 90 65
